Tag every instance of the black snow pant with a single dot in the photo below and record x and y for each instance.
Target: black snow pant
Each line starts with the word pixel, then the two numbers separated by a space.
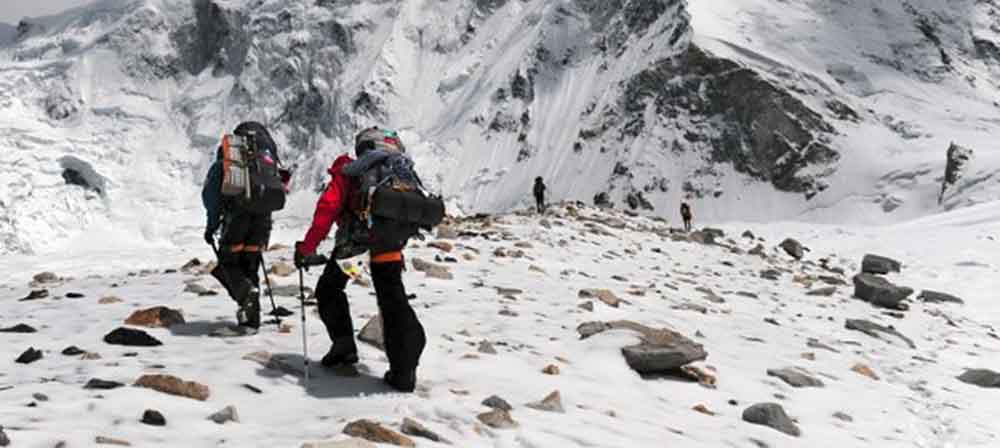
pixel 334 309
pixel 687 223
pixel 404 335
pixel 540 203
pixel 244 236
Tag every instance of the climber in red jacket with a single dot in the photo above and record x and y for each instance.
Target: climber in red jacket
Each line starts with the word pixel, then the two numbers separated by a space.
pixel 402 332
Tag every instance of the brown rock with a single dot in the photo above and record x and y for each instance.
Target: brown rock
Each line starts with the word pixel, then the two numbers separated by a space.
pixel 159 316
pixel 443 246
pixel 703 409
pixel 497 418
pixel 809 356
pixel 551 369
pixel 604 295
pixel 862 369
pixel 374 432
pixel 108 300
pixel 413 428
pixel 172 385
pixel 804 280
pixel 432 270
pixel 551 403
pixel 702 376
pixel 101 440
pixel 282 269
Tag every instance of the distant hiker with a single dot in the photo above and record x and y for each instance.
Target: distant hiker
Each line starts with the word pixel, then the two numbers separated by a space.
pixel 378 204
pixel 539 191
pixel 686 215
pixel 243 187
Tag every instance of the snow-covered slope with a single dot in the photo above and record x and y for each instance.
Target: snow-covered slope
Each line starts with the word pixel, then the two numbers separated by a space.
pixel 528 309
pixel 754 110
pixel 909 77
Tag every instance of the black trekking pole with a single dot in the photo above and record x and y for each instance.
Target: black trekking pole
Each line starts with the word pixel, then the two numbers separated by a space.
pixel 302 311
pixel 270 291
pixel 314 260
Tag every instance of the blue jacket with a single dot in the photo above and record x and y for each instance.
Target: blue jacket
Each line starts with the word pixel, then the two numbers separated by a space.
pixel 211 196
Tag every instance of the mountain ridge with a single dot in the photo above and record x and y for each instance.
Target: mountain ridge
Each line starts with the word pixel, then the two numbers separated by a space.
pixel 635 103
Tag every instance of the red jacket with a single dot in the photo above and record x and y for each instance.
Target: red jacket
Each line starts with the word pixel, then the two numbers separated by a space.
pixel 331 206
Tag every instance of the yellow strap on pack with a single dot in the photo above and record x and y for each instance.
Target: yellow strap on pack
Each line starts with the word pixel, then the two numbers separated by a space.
pixel 352 270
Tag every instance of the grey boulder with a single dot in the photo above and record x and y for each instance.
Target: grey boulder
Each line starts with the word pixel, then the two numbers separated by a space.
pixel 881 292
pixel 873 329
pixel 372 334
pixel 938 297
pixel 794 248
pixel 773 416
pixel 795 377
pixel 660 350
pixel 981 378
pixel 877 264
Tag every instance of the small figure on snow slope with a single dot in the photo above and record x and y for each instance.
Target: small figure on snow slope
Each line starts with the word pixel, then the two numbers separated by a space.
pixel 539 191
pixel 686 216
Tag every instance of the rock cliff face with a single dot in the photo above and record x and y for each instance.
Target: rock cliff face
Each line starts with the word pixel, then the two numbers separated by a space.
pixel 622 100
pixel 958 161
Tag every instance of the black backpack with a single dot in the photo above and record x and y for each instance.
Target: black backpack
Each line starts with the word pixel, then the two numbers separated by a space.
pixel 391 202
pixel 252 173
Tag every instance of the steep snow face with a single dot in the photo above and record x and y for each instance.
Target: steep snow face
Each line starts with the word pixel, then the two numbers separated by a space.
pixel 742 109
pixel 903 80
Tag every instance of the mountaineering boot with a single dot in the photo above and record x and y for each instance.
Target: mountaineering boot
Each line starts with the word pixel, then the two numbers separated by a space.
pixel 248 313
pixel 251 307
pixel 402 381
pixel 343 352
pixel 334 359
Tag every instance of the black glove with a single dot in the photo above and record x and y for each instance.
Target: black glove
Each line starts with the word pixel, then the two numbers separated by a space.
pixel 210 236
pixel 303 261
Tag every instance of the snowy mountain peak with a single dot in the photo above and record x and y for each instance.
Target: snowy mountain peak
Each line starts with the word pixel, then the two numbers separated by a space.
pixel 740 109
